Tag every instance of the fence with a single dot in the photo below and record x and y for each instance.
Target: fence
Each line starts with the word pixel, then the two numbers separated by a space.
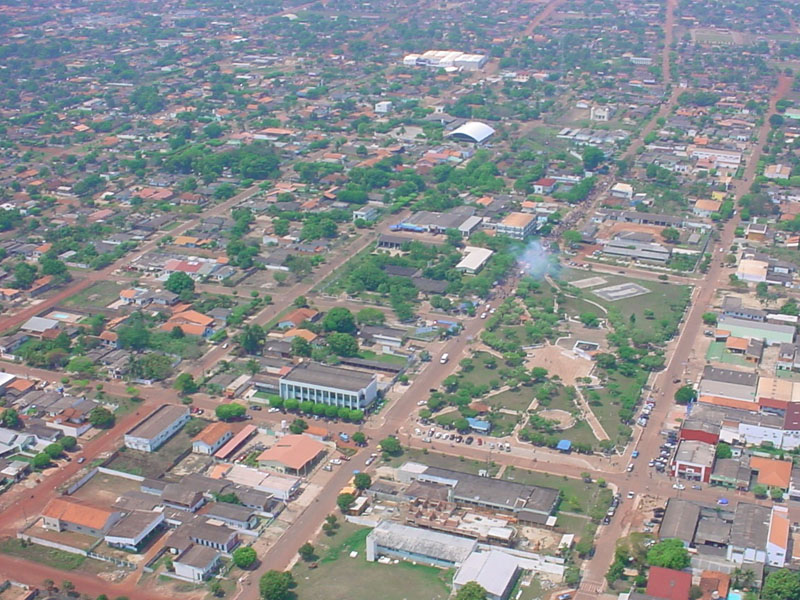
pixel 72 550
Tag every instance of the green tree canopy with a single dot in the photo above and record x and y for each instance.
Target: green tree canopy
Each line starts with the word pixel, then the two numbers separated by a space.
pixel 101 417
pixel 782 584
pixel 276 585
pixel 229 412
pixel 670 554
pixel 244 557
pixel 472 590
pixel 339 319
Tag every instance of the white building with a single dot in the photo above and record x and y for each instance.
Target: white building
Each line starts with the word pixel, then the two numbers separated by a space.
pixel 157 428
pixel 323 384
pixel 601 114
pixel 132 529
pixel 494 571
pixel 196 563
pixel 383 107
pixel 778 539
pixel 474 259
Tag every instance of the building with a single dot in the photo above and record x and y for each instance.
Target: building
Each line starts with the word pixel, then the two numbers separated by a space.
pixel 727 383
pixel 233 515
pixel 292 454
pixel 335 386
pixel 154 430
pixel 777 172
pixel 601 114
pixel 472 131
pixel 622 190
pixel 446 59
pixel 196 563
pixel 517 225
pixel 749 534
pixel 705 208
pixel 772 334
pixel 669 584
pixel 366 213
pixel 212 438
pixel 383 107
pixel 236 441
pixel 219 537
pixel 733 307
pixel 632 249
pixel 474 259
pixel 297 317
pixel 494 571
pixel 65 514
pixel 131 531
pixel 772 473
pixel 281 487
pixel 693 460
pixel 778 537
pixel 418 545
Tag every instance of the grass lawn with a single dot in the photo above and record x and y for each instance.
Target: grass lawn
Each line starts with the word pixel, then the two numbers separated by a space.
pixel 606 405
pixel 578 497
pixel 52 557
pixel 502 424
pixel 481 374
pixel 717 352
pixel 580 433
pixel 443 461
pixel 387 358
pixel 519 399
pixel 571 523
pixel 339 577
pixel 100 295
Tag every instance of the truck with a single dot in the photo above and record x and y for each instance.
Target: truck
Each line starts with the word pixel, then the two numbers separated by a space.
pixel 445 357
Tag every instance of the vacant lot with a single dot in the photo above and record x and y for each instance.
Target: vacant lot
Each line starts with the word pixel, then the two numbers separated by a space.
pixel 152 464
pixel 51 557
pixel 98 295
pixel 339 577
pixel 104 489
pixel 577 496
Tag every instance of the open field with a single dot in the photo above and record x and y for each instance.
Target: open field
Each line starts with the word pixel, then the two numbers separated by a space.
pixel 152 464
pixel 104 489
pixel 52 557
pixel 339 577
pixel 98 295
pixel 443 461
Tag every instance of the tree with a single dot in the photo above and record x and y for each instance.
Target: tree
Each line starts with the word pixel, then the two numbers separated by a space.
pixel 339 319
pixel 276 585
pixel 685 394
pixel 592 157
pixel 185 384
pixel 68 442
pixel 539 374
pixel 10 419
pixel 24 276
pixel 306 552
pixel 54 450
pixel 782 584
pixel 252 339
pixel 229 412
pixel 724 450
pixel 391 446
pixel 776 120
pixel 572 237
pixel 41 460
pixel 298 425
pixel 180 283
pixel 710 318
pixel 589 319
pixel 359 438
pixel 670 234
pixel 670 554
pixel 760 490
pixel 776 494
pixel 342 344
pixel 472 590
pixel 362 481
pixel 345 501
pixel 244 557
pixel 101 418
pixel 370 316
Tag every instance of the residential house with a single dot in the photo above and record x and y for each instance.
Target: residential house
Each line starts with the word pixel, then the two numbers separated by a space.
pixel 66 514
pixel 212 438
pixel 152 431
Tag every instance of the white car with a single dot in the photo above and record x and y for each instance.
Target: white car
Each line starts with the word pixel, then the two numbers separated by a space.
pixel 631 494
pixel 678 486
pixel 483 315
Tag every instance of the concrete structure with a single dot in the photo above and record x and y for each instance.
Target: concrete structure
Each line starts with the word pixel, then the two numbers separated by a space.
pixel 778 537
pixel 322 384
pixel 517 225
pixel 693 460
pixel 494 571
pixel 419 545
pixel 474 259
pixel 749 534
pixel 632 249
pixel 154 430
pixel 446 59
pixel 728 383
pixel 131 530
pixel 772 333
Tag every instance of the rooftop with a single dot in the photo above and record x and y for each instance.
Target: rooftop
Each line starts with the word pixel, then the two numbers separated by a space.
pixel 293 451
pixel 424 542
pixel 771 472
pixel 333 377
pixel 71 511
pixel 158 421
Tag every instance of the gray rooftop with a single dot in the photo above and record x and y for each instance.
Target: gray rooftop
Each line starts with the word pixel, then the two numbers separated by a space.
pixel 158 421
pixel 133 524
pixel 334 377
pixel 680 520
pixel 199 557
pixel 750 527
pixel 730 376
pixel 442 546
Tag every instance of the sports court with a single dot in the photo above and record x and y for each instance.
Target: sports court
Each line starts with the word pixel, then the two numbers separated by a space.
pixel 622 291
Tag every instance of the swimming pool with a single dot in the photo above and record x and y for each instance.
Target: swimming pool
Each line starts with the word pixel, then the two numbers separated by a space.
pixel 734 596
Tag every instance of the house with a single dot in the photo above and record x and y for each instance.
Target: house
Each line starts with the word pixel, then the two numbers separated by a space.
pixel 778 536
pixel 292 454
pixel 622 190
pixel 11 343
pixel 219 537
pixel 387 337
pixel 152 431
pixel 772 472
pixel 38 326
pixel 545 185
pixel 66 514
pixel 705 208
pixel 777 172
pixel 132 530
pixel 182 497
pixel 366 213
pixel 298 316
pixel 233 515
pixel 196 563
pixel 756 232
pixel 474 259
pixel 190 322
pixel 669 584
pixel 212 438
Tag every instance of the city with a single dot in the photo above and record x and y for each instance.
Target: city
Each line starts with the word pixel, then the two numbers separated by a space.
pixel 415 301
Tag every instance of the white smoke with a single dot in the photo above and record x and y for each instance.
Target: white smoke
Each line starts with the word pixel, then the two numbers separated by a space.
pixel 537 261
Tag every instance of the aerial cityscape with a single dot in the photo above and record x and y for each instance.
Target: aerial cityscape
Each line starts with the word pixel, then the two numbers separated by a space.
pixel 393 300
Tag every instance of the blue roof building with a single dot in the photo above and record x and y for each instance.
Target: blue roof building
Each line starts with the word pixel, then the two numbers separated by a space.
pixel 564 446
pixel 479 425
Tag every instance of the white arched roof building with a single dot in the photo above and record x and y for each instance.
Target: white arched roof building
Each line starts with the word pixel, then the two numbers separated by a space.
pixel 472 131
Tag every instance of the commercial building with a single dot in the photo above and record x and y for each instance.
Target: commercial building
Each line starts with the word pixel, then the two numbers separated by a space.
pixel 281 487
pixel 472 131
pixel 292 454
pixel 474 259
pixel 517 225
pixel 693 460
pixel 668 584
pixel 778 537
pixel 632 249
pixel 335 386
pixel 154 430
pixel 749 534
pixel 728 383
pixel 418 545
pixel 446 59
pixel 772 333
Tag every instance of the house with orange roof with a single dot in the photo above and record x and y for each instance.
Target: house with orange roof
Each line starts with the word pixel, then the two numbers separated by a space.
pixel 109 339
pixel 778 537
pixel 298 316
pixel 293 454
pixel 66 514
pixel 772 472
pixel 191 322
pixel 306 334
pixel 212 438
